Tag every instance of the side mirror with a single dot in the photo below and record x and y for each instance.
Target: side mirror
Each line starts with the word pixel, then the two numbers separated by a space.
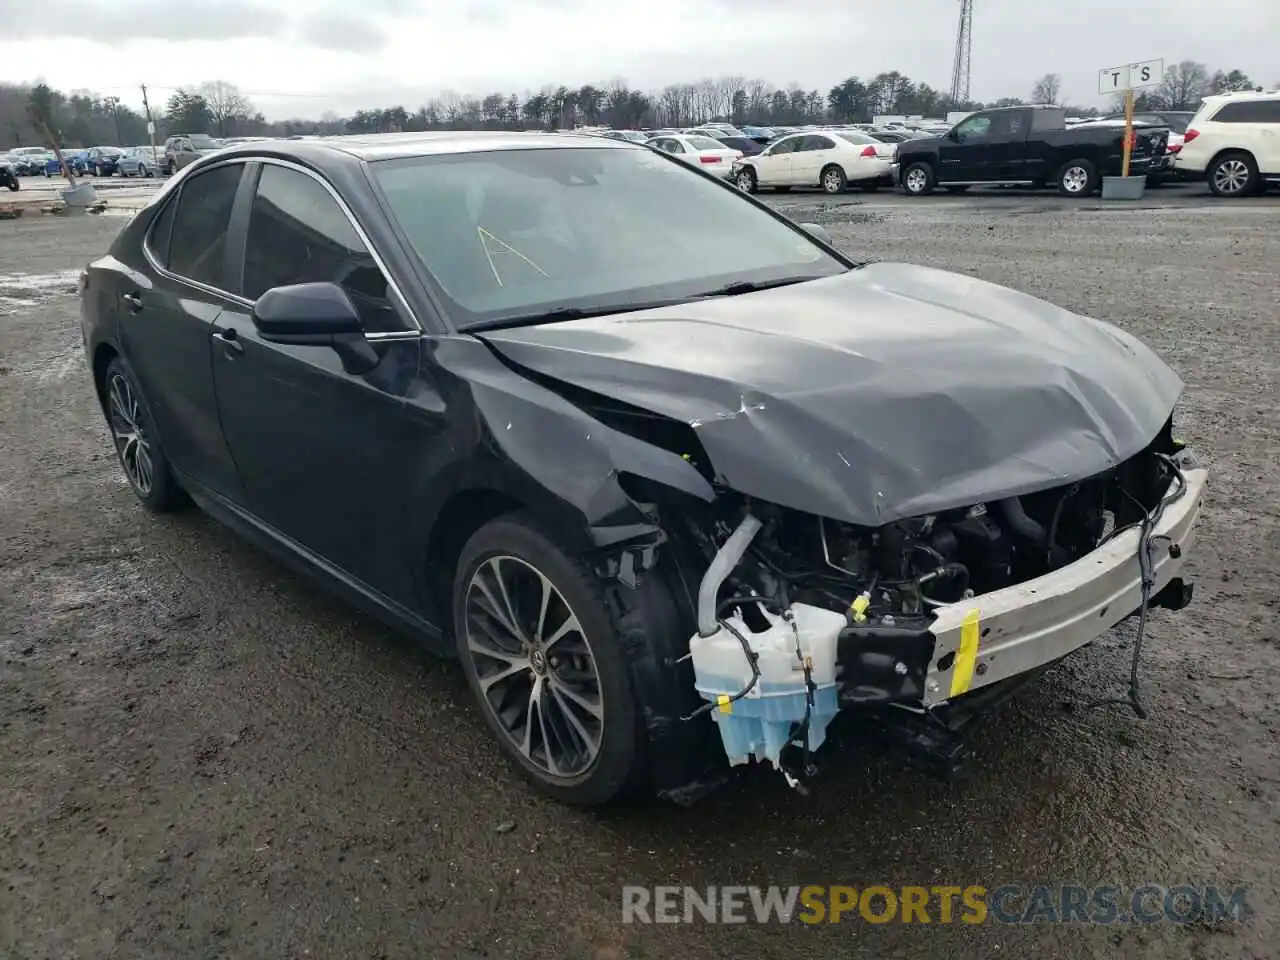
pixel 315 315
pixel 818 232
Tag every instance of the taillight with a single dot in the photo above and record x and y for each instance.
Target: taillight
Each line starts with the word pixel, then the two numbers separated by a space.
pixel 706 159
pixel 1189 136
pixel 868 151
pixel 1174 147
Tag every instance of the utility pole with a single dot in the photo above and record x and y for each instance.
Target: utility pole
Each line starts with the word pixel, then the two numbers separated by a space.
pixel 151 128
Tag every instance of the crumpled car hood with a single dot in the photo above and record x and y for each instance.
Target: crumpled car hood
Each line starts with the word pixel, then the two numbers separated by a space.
pixel 887 392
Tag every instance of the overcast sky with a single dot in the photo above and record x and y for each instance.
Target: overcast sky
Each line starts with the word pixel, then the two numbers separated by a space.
pixel 307 56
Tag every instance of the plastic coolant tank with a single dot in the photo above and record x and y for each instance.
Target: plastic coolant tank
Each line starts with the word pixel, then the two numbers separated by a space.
pixel 759 725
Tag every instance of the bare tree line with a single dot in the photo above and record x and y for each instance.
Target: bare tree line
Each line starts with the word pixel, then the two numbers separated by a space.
pixel 83 118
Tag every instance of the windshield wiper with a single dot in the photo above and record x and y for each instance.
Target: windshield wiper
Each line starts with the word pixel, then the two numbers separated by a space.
pixel 560 314
pixel 751 286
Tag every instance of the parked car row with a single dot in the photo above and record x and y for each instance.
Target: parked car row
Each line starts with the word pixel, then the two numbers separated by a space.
pixel 1232 142
pixel 106 161
pixel 753 157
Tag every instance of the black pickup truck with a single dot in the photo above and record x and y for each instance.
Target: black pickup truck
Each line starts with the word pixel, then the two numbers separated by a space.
pixel 1027 146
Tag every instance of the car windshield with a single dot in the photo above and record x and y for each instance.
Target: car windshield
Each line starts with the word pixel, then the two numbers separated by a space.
pixel 204 143
pixel 853 136
pixel 1177 122
pixel 704 143
pixel 510 235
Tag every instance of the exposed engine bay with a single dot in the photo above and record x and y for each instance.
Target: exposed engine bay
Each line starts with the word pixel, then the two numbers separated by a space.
pixel 800 617
pixel 908 566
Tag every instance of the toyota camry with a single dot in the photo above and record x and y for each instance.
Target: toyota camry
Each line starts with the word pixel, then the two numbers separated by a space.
pixel 674 478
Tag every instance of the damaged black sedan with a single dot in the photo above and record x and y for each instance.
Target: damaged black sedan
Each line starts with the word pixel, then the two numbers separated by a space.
pixel 675 479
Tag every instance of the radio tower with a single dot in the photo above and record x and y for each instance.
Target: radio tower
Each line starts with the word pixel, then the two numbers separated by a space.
pixel 964 47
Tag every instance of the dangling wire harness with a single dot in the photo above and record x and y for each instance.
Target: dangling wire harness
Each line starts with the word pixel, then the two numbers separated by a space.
pixel 1146 538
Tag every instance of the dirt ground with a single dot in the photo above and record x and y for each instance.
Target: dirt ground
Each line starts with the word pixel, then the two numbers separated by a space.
pixel 202 755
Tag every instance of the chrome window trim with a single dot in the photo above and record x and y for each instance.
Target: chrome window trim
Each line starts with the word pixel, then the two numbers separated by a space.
pixel 392 286
pixel 165 271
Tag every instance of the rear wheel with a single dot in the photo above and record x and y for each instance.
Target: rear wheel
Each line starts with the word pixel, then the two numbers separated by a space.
pixel 1077 178
pixel 918 180
pixel 833 179
pixel 137 444
pixel 543 657
pixel 1233 175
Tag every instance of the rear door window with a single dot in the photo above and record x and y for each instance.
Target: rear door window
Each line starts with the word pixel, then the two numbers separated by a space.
pixel 1249 111
pixel 197 242
pixel 1048 119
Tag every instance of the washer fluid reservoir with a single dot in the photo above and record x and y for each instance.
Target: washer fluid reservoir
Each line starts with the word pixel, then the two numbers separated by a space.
pixel 759 724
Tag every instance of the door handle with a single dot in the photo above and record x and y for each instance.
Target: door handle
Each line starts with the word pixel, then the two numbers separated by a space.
pixel 133 301
pixel 229 340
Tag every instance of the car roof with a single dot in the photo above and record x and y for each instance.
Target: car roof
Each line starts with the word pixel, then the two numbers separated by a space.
pixel 394 146
pixel 1243 95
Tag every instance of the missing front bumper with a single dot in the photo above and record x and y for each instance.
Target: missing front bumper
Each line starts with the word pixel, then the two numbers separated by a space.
pixel 1005 633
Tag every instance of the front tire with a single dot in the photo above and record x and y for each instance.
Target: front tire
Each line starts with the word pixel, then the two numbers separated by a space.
pixel 133 433
pixel 1233 175
pixel 747 181
pixel 919 180
pixel 14 185
pixel 1077 178
pixel 832 179
pixel 544 659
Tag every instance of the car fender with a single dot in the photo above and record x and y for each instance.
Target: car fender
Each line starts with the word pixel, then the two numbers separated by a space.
pixel 533 446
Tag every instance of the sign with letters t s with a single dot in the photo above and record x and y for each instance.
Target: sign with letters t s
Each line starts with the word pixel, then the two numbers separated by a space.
pixel 1146 73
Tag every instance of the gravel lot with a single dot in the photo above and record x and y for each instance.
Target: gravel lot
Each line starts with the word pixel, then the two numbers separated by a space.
pixel 203 755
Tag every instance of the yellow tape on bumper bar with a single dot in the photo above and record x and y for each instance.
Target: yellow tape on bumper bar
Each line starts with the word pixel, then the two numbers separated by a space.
pixel 967 655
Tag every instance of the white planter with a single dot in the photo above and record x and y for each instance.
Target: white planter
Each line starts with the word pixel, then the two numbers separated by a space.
pixel 1124 188
pixel 81 195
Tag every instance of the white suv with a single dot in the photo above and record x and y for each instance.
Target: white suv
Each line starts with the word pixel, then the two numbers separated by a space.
pixel 1233 142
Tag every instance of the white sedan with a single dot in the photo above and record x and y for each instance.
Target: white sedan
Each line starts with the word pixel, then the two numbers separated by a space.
pixel 711 155
pixel 830 159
